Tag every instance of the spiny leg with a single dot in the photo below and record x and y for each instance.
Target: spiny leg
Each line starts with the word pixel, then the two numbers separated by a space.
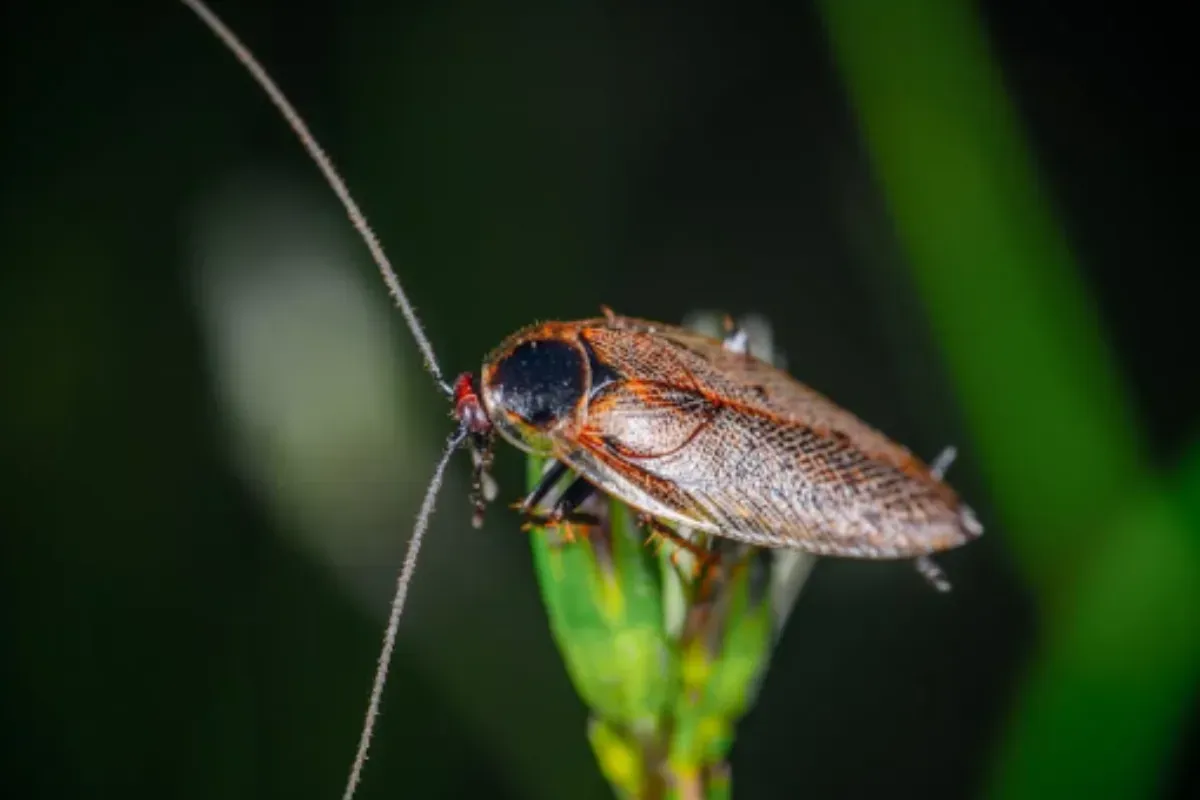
pixel 925 565
pixel 707 562
pixel 575 495
pixel 658 531
pixel 931 572
pixel 564 514
pixel 549 478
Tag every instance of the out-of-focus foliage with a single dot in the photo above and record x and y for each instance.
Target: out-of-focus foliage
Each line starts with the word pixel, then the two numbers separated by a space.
pixel 1105 542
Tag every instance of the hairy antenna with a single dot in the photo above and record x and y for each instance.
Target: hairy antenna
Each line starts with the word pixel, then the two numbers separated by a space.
pixel 389 636
pixel 359 220
pixel 325 164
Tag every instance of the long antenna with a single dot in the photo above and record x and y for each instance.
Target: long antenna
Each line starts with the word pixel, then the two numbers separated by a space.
pixel 389 636
pixel 325 164
pixel 359 220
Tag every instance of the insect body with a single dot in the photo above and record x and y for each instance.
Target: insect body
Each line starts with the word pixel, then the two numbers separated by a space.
pixel 694 432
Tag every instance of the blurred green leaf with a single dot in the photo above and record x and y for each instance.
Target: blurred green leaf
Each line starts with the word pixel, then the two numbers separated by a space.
pixel 1102 708
pixel 1056 438
pixel 1109 552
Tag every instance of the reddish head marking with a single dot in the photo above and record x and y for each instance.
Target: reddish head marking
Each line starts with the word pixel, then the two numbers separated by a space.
pixel 468 409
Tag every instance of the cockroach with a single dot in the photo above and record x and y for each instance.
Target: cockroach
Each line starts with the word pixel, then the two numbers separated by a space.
pixel 696 432
pixel 688 430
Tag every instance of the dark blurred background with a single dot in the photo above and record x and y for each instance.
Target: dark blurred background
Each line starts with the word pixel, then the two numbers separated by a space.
pixel 215 431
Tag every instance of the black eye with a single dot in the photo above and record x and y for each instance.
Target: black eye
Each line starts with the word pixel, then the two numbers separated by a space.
pixel 541 380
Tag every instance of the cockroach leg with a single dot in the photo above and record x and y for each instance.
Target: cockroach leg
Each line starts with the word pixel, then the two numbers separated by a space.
pixel 931 572
pixel 942 463
pixel 928 568
pixel 549 478
pixel 575 495
pixel 727 558
pixel 736 339
pixel 568 526
pixel 658 541
pixel 706 560
pixel 564 515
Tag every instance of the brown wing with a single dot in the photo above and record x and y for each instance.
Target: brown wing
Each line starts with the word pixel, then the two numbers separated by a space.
pixel 756 384
pixel 726 443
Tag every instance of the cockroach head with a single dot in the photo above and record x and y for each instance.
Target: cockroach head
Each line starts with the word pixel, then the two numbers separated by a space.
pixel 534 386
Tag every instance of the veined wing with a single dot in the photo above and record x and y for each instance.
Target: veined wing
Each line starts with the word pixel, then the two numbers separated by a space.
pixel 728 444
